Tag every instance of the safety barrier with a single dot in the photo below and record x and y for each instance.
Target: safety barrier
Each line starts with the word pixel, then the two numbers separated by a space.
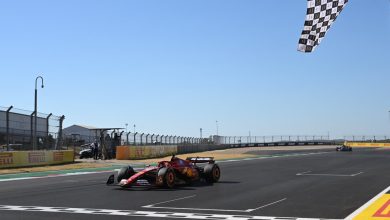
pixel 12 159
pixel 364 144
pixel 144 152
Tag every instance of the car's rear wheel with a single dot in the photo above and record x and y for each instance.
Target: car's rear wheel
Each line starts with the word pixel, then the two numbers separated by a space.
pixel 169 178
pixel 125 173
pixel 212 173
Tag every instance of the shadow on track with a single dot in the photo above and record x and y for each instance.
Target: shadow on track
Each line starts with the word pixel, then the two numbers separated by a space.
pixel 190 187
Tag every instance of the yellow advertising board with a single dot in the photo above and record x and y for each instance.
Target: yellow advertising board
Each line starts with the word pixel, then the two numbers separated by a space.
pixel 144 152
pixel 364 144
pixel 34 158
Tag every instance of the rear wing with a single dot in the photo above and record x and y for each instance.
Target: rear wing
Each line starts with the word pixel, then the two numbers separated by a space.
pixel 201 159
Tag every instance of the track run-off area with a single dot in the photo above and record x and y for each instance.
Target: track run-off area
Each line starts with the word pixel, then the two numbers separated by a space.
pixel 304 185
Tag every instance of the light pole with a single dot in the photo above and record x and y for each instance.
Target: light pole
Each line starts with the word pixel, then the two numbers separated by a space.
pixel 134 128
pixel 216 123
pixel 36 110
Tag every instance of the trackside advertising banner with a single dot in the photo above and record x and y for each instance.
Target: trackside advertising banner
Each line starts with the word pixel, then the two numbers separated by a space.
pixel 34 158
pixel 363 144
pixel 144 152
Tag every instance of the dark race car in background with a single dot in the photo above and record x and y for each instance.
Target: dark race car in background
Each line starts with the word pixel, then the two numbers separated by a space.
pixel 344 148
pixel 169 173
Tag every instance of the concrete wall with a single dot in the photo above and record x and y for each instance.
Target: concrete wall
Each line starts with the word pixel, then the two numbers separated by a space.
pixel 11 159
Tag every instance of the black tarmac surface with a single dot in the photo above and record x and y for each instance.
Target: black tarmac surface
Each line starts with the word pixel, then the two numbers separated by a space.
pixel 329 185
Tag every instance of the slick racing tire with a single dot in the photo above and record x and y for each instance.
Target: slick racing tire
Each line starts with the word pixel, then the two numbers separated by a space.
pixel 212 173
pixel 169 179
pixel 125 173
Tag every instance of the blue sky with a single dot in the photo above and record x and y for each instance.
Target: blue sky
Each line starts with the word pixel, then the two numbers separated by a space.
pixel 174 66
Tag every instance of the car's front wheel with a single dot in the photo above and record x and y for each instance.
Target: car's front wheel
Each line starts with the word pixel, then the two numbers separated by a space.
pixel 125 173
pixel 169 178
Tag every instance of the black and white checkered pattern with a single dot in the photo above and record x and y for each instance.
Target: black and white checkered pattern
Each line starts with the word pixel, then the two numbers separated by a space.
pixel 138 214
pixel 320 16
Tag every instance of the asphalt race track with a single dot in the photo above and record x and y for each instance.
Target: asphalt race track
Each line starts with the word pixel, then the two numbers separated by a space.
pixel 311 184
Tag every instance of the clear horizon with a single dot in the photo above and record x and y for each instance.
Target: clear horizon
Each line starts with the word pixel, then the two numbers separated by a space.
pixel 173 67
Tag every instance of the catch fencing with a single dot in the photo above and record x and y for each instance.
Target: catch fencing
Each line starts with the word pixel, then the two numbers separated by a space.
pixel 157 139
pixel 268 139
pixel 17 128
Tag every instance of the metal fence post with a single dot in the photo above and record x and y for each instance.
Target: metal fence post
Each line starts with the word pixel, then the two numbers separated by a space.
pixel 127 138
pixel 7 119
pixel 151 138
pixel 60 136
pixel 141 137
pixel 135 140
pixel 47 123
pixel 32 127
pixel 146 139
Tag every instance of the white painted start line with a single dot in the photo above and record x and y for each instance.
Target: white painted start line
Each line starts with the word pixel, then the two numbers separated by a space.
pixel 112 212
pixel 154 206
pixel 309 173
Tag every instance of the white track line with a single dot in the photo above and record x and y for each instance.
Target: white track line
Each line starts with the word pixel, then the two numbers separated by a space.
pixel 173 200
pixel 264 206
pixel 272 156
pixel 153 206
pixel 138 214
pixel 53 175
pixel 308 173
pixel 365 206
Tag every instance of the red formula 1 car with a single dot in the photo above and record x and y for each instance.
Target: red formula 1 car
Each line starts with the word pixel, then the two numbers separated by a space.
pixel 169 173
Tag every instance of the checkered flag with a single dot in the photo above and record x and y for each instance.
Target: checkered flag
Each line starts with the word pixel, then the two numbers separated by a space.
pixel 320 16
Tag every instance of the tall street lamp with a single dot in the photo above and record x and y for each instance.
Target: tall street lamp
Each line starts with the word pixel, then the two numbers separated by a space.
pixel 36 110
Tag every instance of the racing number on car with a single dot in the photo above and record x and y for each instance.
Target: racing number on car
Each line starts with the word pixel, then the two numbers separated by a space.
pixel 384 211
